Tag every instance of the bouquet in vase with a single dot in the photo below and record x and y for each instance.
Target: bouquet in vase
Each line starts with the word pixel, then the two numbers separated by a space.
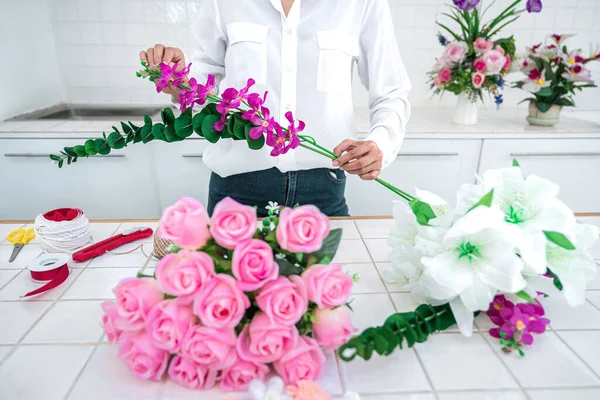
pixel 553 75
pixel 474 59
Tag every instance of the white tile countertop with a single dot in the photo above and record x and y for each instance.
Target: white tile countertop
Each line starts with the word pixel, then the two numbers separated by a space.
pixel 507 122
pixel 52 347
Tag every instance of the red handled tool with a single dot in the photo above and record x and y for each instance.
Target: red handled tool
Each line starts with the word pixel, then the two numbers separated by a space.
pixel 97 249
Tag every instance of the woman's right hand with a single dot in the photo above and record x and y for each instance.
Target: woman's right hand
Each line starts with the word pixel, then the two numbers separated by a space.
pixel 168 55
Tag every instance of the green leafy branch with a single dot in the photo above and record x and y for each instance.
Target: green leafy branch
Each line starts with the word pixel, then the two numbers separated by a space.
pixel 409 328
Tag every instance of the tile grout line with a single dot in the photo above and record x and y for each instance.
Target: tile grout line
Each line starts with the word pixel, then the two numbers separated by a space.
pixel 429 381
pixel 578 356
pixel 78 376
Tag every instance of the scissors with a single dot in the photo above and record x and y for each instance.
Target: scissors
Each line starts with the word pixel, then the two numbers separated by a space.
pixel 19 238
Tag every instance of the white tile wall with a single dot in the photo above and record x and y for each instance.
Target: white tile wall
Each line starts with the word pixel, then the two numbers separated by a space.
pixel 92 33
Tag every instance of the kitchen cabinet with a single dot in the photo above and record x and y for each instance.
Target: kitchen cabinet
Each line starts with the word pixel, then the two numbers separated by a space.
pixel 573 164
pixel 121 185
pixel 437 165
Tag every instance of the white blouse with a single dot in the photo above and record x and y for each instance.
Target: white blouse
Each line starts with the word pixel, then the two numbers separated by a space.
pixel 305 62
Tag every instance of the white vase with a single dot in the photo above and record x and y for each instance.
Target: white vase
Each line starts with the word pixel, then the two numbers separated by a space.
pixel 466 112
pixel 548 118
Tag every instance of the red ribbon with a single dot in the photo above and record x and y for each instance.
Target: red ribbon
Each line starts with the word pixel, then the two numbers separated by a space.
pixel 54 277
pixel 63 214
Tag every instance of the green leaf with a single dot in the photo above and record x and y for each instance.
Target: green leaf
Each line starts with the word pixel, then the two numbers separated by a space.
pixel 158 131
pixel 544 92
pixel 146 133
pixel 523 295
pixel 116 141
pixel 287 268
pixel 485 200
pixel 54 157
pixel 299 257
pixel 330 245
pixel 70 152
pixel 543 107
pixel 167 116
pixel 239 131
pixel 560 240
pixel 126 128
pixel 515 163
pixel 254 144
pixel 211 108
pixel 60 164
pixel 89 147
pixel 228 129
pixel 101 147
pixel 423 211
pixel 170 135
pixel 147 120
pixel 197 123
pixel 564 102
pixel 557 283
pixel 208 128
pixel 80 150
pixel 183 124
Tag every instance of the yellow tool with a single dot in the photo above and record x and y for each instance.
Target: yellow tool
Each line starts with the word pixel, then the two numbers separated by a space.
pixel 19 238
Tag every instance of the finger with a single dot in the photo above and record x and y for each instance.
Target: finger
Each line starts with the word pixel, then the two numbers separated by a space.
pixel 370 175
pixel 374 166
pixel 159 51
pixel 169 55
pixel 340 148
pixel 362 165
pixel 143 56
pixel 179 58
pixel 150 53
pixel 353 154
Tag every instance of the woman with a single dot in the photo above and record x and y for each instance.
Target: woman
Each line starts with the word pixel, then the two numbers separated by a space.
pixel 303 53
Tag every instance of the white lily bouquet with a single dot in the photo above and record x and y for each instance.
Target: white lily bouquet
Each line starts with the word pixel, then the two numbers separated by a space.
pixel 508 242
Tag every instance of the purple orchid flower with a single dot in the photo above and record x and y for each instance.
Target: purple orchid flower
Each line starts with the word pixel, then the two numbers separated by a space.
pixel 171 74
pixel 255 102
pixel 265 123
pixel 466 5
pixel 534 6
pixel 497 306
pixel 205 90
pixel 230 100
pixel 188 98
pixel 281 141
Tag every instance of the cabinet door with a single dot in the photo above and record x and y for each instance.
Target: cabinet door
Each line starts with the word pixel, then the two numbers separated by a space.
pixel 180 171
pixel 573 164
pixel 437 165
pixel 120 185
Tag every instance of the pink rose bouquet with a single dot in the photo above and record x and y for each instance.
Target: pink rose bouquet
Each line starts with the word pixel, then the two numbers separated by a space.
pixel 233 300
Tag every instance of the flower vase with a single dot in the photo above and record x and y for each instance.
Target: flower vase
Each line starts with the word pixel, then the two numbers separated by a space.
pixel 539 118
pixel 466 112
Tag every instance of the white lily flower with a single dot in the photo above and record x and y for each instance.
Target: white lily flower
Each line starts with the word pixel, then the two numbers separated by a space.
pixel 531 204
pixel 574 268
pixel 479 260
pixel 274 389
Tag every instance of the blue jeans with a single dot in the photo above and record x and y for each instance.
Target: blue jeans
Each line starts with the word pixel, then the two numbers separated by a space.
pixel 322 187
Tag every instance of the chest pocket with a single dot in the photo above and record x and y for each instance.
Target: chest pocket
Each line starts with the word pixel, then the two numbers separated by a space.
pixel 337 50
pixel 247 52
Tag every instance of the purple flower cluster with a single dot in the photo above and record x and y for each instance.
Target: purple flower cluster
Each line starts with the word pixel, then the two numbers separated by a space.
pixel 516 322
pixel 533 6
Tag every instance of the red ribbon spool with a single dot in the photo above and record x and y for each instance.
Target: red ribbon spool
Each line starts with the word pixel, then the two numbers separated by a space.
pixel 51 269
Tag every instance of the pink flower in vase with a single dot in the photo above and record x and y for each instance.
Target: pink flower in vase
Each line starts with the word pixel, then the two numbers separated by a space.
pixel 507 63
pixel 441 63
pixel 437 81
pixel 230 100
pixel 445 75
pixel 171 74
pixel 481 45
pixel 478 80
pixel 578 73
pixel 535 81
pixel 455 52
pixel 480 65
pixel 494 61
pixel 191 375
pixel 141 357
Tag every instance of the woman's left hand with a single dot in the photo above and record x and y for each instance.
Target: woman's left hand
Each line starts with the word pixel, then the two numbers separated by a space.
pixel 362 158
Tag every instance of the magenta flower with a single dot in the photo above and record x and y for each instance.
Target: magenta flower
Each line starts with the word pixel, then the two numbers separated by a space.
pixel 230 100
pixel 187 98
pixel 292 128
pixel 264 123
pixel 534 6
pixel 281 141
pixel 170 74
pixel 205 90
pixel 466 5
pixel 500 303
pixel 255 103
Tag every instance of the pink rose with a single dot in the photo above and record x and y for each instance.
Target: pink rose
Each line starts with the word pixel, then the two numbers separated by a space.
pixel 480 65
pixel 221 304
pixel 184 274
pixel 437 81
pixel 167 324
pixel 440 64
pixel 264 342
pixel 327 285
pixel 191 375
pixel 239 375
pixel 110 321
pixel 253 265
pixel 141 357
pixel 135 297
pixel 507 63
pixel 303 362
pixel 284 300
pixel 482 46
pixel 302 229
pixel 500 49
pixel 332 327
pixel 478 79
pixel 232 223
pixel 456 52
pixel 209 346
pixel 494 61
pixel 446 75
pixel 185 223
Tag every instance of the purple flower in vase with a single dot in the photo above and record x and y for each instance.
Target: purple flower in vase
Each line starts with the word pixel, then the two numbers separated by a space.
pixel 466 5
pixel 170 74
pixel 534 6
